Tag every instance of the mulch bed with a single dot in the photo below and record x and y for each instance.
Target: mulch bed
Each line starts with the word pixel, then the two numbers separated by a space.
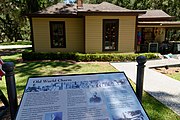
pixel 168 70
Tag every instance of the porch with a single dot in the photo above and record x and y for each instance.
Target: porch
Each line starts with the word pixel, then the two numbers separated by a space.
pixel 162 37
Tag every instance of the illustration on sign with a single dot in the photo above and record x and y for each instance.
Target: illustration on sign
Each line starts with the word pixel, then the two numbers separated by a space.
pixel 100 96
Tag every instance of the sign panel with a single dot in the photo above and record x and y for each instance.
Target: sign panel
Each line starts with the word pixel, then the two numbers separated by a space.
pixel 99 96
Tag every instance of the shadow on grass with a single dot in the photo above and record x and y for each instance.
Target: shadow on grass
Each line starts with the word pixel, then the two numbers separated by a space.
pixel 24 70
pixel 156 110
pixel 20 87
pixel 41 68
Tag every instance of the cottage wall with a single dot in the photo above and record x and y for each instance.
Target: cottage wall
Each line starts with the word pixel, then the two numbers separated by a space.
pixel 74 35
pixel 94 33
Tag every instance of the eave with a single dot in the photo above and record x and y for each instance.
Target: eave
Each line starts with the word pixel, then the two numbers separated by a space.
pixel 79 14
pixel 54 15
pixel 110 13
pixel 156 19
pixel 159 24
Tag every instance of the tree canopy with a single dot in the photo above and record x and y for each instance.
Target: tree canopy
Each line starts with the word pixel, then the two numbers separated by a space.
pixel 14 25
pixel 171 7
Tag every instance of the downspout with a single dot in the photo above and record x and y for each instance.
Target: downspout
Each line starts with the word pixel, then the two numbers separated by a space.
pixel 32 35
pixel 84 27
pixel 135 42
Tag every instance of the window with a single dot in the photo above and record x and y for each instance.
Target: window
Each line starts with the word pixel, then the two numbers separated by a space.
pixel 148 35
pixel 110 34
pixel 57 34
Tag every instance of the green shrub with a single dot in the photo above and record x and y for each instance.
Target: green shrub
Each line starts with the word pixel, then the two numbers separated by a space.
pixel 85 57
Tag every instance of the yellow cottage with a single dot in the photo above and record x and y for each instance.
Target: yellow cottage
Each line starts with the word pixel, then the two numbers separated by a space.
pixel 86 28
pixel 105 27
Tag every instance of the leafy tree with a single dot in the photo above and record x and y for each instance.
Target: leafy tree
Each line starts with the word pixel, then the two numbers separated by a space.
pixel 11 20
pixel 172 7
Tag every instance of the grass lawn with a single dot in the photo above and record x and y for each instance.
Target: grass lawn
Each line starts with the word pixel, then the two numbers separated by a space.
pixel 23 70
pixel 175 76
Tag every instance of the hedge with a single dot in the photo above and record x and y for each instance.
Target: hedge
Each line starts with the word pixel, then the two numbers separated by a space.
pixel 85 57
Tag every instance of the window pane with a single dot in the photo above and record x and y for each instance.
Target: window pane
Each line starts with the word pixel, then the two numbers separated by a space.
pixel 110 34
pixel 58 34
pixel 58 29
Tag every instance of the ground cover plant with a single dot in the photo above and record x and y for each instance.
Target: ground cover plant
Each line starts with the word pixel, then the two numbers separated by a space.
pixel 23 70
pixel 176 76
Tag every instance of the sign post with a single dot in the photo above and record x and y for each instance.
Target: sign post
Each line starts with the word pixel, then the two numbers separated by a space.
pixel 8 67
pixel 141 60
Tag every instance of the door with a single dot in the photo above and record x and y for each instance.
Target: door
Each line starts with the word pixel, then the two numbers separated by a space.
pixel 110 34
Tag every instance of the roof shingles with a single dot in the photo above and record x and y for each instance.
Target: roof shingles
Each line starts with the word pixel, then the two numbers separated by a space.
pixel 62 8
pixel 59 8
pixel 155 14
pixel 105 6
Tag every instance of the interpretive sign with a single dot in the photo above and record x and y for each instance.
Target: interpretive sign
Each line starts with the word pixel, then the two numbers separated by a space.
pixel 98 96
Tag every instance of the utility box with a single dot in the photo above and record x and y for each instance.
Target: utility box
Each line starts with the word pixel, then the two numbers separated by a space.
pixel 176 47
